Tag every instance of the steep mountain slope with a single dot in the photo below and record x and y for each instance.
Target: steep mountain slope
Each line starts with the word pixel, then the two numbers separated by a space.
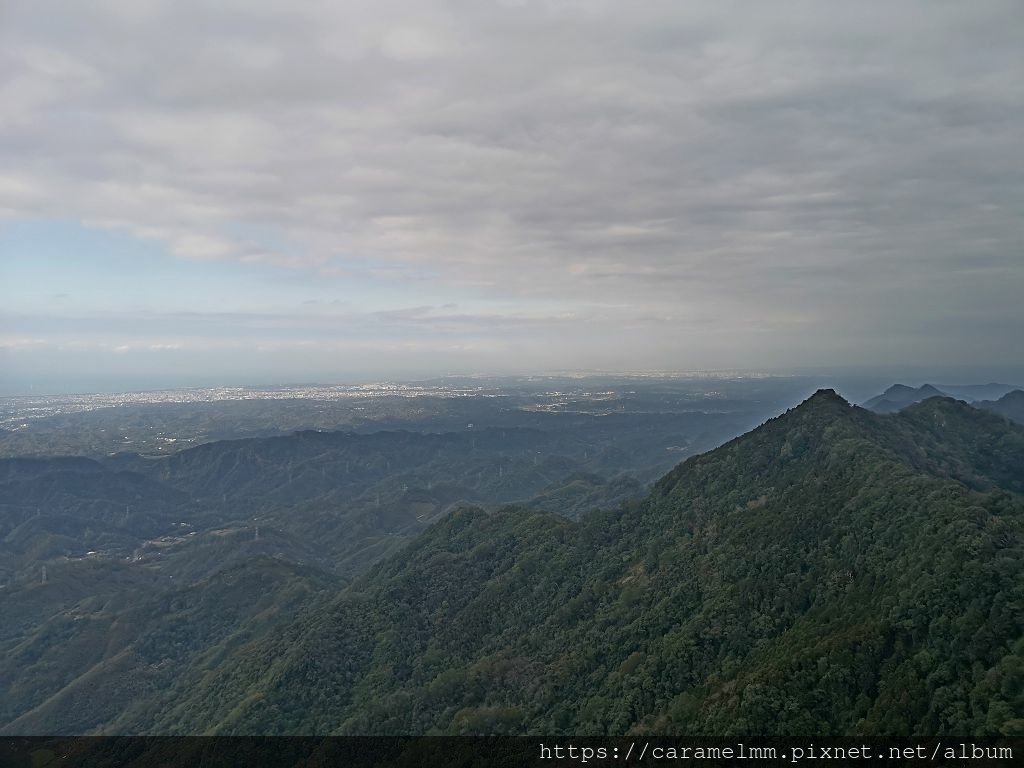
pixel 832 572
pixel 339 500
pixel 88 547
pixel 83 651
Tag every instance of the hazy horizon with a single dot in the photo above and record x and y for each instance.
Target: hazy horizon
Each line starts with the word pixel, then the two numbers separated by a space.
pixel 198 193
pixel 855 384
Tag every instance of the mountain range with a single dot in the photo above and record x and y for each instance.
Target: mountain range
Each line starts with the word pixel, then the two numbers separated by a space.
pixel 833 572
pixel 1010 405
pixel 899 396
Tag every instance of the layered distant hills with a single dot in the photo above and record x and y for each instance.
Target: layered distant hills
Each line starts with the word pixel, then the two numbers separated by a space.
pixel 835 571
pixel 900 395
pixel 1004 399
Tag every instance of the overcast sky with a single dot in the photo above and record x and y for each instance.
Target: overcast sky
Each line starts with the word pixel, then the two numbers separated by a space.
pixel 260 190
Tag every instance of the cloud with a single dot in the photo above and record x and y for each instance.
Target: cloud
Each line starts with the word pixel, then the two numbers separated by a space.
pixel 833 167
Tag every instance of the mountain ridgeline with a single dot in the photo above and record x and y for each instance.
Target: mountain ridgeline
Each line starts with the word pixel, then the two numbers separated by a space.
pixel 833 572
pixel 1003 399
pixel 1010 405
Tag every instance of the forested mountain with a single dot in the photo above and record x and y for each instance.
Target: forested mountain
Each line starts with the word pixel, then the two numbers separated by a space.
pixel 96 554
pixel 898 397
pixel 103 643
pixel 832 572
pixel 336 500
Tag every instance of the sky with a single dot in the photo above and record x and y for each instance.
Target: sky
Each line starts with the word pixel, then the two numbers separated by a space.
pixel 265 191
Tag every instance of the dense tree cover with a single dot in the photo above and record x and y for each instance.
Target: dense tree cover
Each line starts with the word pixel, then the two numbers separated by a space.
pixel 87 547
pixel 114 638
pixel 337 500
pixel 832 572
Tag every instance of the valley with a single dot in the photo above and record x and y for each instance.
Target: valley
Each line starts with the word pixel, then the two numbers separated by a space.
pixel 350 582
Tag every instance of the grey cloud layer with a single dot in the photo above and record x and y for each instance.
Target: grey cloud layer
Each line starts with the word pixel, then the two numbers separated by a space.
pixel 830 170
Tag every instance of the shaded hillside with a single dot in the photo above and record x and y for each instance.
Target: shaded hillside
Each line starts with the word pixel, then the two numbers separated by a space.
pixel 832 572
pixel 68 507
pixel 102 640
pixel 90 551
pixel 340 500
pixel 949 439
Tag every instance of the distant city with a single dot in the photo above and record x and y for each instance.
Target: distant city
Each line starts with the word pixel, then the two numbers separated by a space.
pixel 15 410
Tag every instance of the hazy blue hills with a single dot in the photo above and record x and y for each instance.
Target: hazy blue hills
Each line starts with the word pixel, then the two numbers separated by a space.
pixel 834 571
pixel 1010 402
pixel 69 506
pixel 336 500
pixel 899 396
pixel 1010 405
pixel 976 392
